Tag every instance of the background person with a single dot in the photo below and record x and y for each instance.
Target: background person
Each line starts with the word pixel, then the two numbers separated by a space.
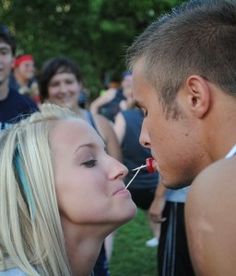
pixel 57 207
pixel 13 106
pixel 127 126
pixel 23 76
pixel 184 68
pixel 60 83
pixel 110 102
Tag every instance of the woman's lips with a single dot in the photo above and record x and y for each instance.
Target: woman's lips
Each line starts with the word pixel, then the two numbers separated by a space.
pixel 121 190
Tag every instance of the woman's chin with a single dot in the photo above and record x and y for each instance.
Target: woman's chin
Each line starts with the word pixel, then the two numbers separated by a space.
pixel 66 105
pixel 129 215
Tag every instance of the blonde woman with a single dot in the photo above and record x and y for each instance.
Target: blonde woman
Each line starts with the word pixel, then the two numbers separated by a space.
pixel 60 83
pixel 61 194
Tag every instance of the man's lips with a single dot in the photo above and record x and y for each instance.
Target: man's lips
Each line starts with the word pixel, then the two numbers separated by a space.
pixel 155 163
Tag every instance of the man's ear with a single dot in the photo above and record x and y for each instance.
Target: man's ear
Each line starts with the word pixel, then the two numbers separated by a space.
pixel 198 95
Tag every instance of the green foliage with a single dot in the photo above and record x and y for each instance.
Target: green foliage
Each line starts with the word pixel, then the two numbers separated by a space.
pixel 130 255
pixel 95 33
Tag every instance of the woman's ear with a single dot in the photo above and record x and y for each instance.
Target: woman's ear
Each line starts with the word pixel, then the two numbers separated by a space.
pixel 198 95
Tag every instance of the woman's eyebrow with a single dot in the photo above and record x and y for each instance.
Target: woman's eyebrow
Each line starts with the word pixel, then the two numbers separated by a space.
pixel 90 145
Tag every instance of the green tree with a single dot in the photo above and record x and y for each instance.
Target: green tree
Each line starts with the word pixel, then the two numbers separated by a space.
pixel 95 33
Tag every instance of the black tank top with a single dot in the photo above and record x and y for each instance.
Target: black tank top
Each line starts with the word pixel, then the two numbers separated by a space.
pixel 134 154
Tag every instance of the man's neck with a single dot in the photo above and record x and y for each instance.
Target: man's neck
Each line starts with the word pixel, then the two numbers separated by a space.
pixel 4 90
pixel 21 81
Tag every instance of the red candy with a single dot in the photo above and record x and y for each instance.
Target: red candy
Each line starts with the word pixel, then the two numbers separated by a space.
pixel 150 165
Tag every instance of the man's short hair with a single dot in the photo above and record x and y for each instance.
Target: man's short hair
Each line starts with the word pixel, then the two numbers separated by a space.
pixel 8 38
pixel 198 37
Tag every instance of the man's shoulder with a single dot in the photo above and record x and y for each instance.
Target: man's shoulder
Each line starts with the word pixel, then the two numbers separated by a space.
pixel 212 176
pixel 212 188
pixel 210 218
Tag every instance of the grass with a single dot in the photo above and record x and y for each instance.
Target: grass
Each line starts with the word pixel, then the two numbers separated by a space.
pixel 130 255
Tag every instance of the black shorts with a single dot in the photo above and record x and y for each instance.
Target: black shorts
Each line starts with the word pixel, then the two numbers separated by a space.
pixel 173 253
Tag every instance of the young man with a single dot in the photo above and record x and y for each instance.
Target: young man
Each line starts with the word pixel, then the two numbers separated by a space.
pixel 12 105
pixel 184 73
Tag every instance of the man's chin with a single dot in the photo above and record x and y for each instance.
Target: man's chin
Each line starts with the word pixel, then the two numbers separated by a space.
pixel 176 186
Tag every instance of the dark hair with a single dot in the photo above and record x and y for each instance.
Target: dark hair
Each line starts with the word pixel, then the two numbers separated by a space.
pixel 8 38
pixel 198 37
pixel 52 67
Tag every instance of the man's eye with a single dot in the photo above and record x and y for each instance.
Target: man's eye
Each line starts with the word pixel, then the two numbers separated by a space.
pixel 89 164
pixel 5 52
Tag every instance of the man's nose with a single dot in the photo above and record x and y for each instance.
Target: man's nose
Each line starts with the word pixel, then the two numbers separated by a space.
pixel 144 139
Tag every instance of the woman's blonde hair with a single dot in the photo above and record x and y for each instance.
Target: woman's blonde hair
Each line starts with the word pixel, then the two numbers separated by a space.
pixel 31 236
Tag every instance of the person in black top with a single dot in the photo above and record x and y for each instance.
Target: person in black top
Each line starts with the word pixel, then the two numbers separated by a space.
pixel 110 103
pixel 13 106
pixel 127 126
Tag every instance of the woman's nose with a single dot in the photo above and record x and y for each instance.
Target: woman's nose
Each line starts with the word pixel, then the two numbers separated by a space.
pixel 124 171
pixel 63 88
pixel 118 170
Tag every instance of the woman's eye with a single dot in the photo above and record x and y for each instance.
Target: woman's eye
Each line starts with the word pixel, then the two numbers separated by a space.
pixel 69 82
pixel 54 84
pixel 144 112
pixel 90 163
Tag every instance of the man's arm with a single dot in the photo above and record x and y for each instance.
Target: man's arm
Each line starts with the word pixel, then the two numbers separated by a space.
pixel 109 135
pixel 120 127
pixel 104 99
pixel 158 204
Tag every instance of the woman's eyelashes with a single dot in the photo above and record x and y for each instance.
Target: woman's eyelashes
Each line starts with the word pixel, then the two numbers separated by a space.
pixel 90 163
pixel 145 113
pixel 143 110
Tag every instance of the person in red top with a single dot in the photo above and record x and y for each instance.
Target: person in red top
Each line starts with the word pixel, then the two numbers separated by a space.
pixel 23 76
